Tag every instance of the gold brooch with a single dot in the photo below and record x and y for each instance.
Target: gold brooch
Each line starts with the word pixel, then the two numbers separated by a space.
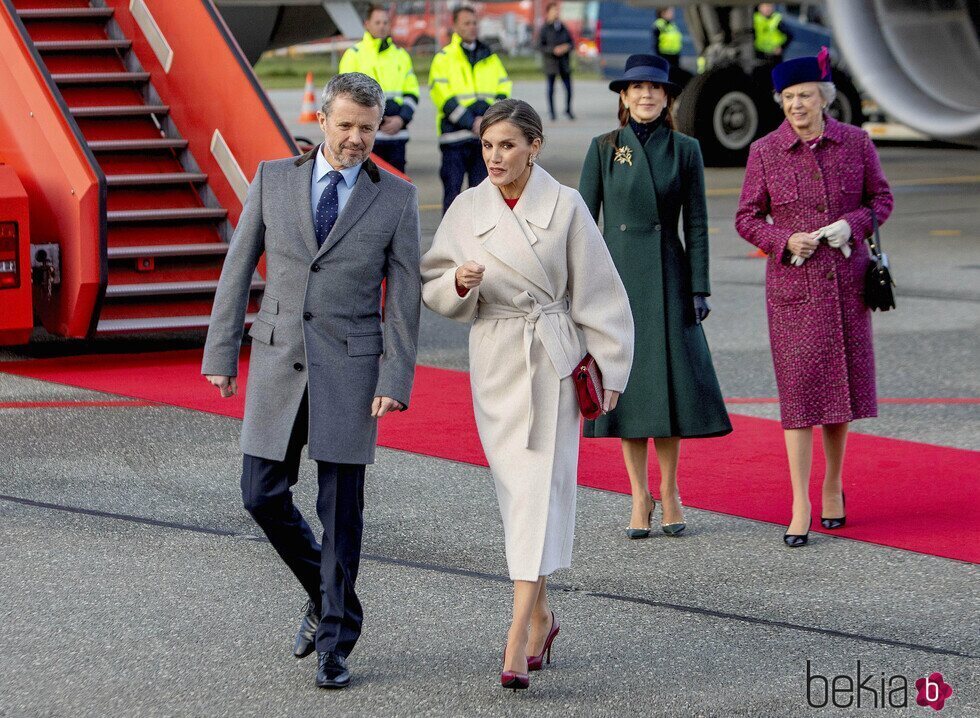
pixel 624 155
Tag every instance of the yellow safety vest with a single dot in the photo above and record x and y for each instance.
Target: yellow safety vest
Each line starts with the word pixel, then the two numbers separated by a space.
pixel 671 39
pixel 392 67
pixel 455 85
pixel 768 37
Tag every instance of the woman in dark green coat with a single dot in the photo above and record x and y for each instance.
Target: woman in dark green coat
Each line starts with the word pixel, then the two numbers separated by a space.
pixel 641 176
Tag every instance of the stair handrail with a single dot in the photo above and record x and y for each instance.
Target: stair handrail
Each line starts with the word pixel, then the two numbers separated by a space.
pixel 79 226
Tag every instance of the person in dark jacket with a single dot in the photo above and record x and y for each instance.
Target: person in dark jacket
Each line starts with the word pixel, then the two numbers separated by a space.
pixel 555 43
pixel 641 176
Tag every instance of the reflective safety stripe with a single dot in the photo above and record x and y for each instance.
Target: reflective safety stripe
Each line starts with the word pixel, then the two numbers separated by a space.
pixel 457 114
pixel 450 137
pixel 381 138
pixel 410 102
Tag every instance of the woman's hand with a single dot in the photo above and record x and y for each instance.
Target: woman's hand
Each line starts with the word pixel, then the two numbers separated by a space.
pixel 701 308
pixel 804 244
pixel 469 275
pixel 609 400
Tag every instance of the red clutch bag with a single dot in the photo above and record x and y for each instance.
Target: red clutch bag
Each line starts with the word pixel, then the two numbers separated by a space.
pixel 588 386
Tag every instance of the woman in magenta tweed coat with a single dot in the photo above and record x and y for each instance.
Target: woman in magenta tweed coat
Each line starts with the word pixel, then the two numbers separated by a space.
pixel 818 180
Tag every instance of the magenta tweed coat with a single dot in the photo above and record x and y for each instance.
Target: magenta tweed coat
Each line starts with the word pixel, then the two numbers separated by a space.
pixel 819 327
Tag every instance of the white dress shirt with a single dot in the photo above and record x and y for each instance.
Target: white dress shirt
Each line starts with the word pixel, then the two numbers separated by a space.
pixel 319 181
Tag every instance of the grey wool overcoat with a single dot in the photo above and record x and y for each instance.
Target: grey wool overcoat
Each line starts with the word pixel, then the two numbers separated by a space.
pixel 320 323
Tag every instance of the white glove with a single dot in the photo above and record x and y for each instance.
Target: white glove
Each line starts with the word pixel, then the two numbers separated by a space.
pixel 838 235
pixel 796 260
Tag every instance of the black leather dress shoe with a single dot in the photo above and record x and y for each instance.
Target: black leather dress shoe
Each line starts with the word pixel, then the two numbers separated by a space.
pixel 306 636
pixel 332 671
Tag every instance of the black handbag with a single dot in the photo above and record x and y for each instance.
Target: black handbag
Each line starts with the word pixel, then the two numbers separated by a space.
pixel 878 281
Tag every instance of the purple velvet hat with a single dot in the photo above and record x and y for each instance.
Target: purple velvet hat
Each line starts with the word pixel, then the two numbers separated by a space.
pixel 802 69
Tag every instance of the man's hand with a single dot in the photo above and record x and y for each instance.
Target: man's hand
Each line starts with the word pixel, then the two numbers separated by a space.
pixel 476 125
pixel 562 49
pixel 391 125
pixel 227 385
pixel 383 404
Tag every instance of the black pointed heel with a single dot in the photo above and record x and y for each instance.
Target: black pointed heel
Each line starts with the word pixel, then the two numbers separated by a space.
pixel 832 524
pixel 797 540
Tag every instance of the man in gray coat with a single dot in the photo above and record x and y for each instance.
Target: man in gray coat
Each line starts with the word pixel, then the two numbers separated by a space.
pixel 324 367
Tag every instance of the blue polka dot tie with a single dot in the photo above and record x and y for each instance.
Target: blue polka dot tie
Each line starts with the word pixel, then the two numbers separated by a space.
pixel 327 208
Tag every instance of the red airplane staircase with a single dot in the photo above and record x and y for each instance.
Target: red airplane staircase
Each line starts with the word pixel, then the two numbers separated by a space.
pixel 135 127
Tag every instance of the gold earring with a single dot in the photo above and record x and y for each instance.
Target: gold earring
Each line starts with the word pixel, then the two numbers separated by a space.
pixel 626 106
pixel 530 160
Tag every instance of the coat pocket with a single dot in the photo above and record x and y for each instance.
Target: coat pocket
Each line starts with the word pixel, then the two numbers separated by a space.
pixel 261 331
pixel 372 344
pixel 784 191
pixel 270 305
pixel 786 284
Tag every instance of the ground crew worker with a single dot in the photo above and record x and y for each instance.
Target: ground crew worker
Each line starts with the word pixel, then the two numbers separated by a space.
pixel 378 57
pixel 667 38
pixel 465 78
pixel 771 34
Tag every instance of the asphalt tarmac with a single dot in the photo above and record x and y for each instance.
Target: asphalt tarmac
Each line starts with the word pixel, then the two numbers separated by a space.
pixel 132 583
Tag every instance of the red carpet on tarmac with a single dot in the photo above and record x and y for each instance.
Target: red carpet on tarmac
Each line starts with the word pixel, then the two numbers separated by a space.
pixel 904 494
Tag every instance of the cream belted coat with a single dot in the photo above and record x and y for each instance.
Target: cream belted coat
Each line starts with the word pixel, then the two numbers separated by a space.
pixel 550 294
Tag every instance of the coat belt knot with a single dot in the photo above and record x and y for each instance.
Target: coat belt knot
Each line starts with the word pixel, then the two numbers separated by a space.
pixel 540 320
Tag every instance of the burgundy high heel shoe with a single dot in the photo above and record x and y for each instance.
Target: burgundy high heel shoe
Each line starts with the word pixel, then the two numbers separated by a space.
pixel 512 679
pixel 536 663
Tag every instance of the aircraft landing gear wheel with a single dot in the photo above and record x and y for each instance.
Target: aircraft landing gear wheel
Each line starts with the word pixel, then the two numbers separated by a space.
pixel 723 109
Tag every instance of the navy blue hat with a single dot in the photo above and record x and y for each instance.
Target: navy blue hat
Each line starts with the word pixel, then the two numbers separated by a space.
pixel 802 69
pixel 644 68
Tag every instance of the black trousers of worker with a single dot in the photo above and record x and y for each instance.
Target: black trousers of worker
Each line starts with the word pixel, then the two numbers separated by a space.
pixel 326 570
pixel 459 161
pixel 393 152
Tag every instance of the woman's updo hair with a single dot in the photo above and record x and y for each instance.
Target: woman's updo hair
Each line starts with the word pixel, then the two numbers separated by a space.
pixel 518 113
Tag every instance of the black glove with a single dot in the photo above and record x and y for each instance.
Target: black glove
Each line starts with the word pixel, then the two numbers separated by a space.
pixel 701 308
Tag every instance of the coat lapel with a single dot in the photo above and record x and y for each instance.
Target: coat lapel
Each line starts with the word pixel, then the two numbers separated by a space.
pixel 361 197
pixel 639 177
pixel 301 179
pixel 500 229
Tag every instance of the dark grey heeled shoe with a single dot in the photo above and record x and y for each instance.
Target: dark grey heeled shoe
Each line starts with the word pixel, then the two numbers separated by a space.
pixel 632 533
pixel 674 529
pixel 831 523
pixel 798 540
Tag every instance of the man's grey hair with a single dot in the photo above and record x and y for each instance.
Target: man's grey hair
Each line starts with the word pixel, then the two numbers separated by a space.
pixel 828 90
pixel 361 88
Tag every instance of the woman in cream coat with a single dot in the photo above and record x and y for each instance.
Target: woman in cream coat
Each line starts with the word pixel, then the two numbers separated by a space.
pixel 521 257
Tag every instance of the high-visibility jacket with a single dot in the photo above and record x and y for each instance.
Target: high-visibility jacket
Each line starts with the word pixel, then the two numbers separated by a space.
pixel 391 66
pixel 670 39
pixel 768 36
pixel 463 84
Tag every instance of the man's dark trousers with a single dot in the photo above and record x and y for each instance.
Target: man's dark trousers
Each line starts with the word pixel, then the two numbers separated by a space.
pixel 392 152
pixel 328 570
pixel 460 159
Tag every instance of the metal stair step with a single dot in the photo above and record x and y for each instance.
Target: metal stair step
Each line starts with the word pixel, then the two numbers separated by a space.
pixel 157 178
pixel 164 143
pixel 168 250
pixel 100 78
pixel 165 214
pixel 166 288
pixel 149 323
pixel 82 45
pixel 119 110
pixel 65 13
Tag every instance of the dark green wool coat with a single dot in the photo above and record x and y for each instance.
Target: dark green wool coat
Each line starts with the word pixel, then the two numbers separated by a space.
pixel 672 390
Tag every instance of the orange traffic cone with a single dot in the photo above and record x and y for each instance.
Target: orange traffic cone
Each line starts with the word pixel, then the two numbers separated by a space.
pixel 308 112
pixel 757 254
